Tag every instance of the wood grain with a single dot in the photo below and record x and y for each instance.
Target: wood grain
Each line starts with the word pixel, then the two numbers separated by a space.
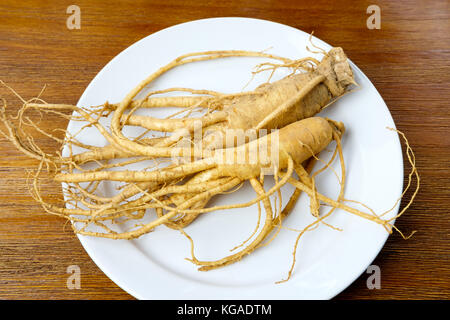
pixel 407 60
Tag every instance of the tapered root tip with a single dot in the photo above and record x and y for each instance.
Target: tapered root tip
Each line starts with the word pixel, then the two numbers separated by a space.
pixel 339 126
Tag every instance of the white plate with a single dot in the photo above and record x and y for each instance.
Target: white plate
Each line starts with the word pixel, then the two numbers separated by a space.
pixel 153 266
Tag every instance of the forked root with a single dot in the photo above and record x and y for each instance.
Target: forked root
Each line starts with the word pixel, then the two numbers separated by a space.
pixel 338 204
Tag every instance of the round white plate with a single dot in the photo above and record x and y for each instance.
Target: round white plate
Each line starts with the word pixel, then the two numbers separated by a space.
pixel 153 266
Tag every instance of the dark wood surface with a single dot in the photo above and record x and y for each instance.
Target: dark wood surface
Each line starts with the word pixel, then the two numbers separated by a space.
pixel 408 60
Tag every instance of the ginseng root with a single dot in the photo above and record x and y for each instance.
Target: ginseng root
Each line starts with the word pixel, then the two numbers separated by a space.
pixel 184 172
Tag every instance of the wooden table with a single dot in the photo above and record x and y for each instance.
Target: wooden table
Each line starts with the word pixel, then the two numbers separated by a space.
pixel 407 60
